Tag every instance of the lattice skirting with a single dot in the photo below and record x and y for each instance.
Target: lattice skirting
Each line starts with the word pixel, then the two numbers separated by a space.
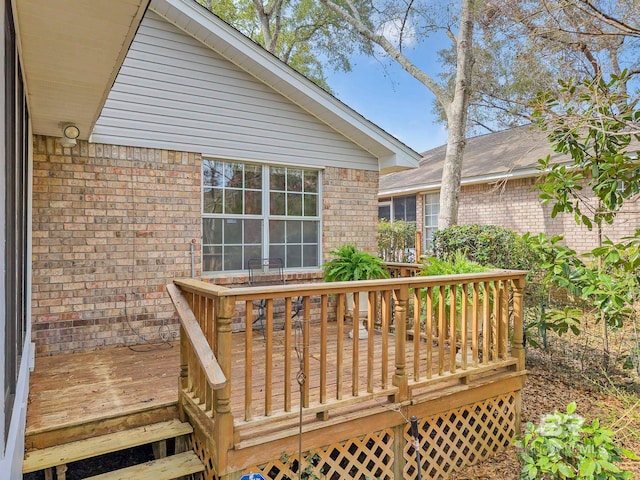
pixel 461 437
pixel 199 447
pixel 448 441
pixel 370 456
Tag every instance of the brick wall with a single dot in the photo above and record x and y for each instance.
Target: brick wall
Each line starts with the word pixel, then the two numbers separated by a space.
pixel 516 205
pixel 113 225
pixel 350 209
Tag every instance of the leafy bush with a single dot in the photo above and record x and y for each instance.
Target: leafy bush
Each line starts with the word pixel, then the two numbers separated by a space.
pixel 350 263
pixel 396 240
pixel 489 245
pixel 451 264
pixel 563 446
pixel 455 263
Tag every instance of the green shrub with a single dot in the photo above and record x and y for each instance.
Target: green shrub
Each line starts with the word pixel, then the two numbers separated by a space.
pixel 489 245
pixel 450 264
pixel 396 240
pixel 563 446
pixel 455 263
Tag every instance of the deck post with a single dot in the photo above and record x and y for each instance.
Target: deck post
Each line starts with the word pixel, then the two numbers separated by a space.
pixel 223 426
pixel 400 378
pixel 517 350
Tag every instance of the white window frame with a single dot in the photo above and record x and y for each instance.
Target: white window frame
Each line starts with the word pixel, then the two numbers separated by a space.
pixel 430 217
pixel 266 246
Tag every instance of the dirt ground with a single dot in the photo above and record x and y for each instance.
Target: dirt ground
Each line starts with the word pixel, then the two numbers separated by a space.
pixel 614 398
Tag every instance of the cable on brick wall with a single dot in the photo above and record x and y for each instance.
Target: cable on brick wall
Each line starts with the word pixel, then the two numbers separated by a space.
pixel 164 333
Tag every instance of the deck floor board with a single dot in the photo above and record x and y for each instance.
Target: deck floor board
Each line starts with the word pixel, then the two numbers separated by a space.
pixel 75 389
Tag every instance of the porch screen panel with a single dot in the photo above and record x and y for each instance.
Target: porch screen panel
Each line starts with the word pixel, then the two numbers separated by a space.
pixel 15 203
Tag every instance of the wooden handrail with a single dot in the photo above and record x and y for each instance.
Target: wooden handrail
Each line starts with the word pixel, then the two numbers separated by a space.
pixel 437 328
pixel 211 290
pixel 208 362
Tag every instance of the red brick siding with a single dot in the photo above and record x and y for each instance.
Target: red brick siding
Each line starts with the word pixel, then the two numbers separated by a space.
pixel 516 205
pixel 350 209
pixel 113 225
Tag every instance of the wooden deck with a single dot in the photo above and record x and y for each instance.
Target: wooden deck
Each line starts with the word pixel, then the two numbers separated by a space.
pixel 73 396
pixel 240 391
pixel 76 396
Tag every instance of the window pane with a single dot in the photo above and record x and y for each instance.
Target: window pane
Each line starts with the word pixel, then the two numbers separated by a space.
pixel 276 231
pixel 232 175
pixel 212 199
pixel 384 212
pixel 252 251
pixel 410 209
pixel 252 202
pixel 294 232
pixel 294 180
pixel 212 259
pixel 278 203
pixel 233 201
pixel 252 232
pixel 294 256
pixel 232 231
pixel 310 232
pixel 311 182
pixel 310 205
pixel 253 177
pixel 233 258
pixel 309 255
pixel 277 179
pixel 208 170
pixel 294 204
pixel 277 251
pixel 211 231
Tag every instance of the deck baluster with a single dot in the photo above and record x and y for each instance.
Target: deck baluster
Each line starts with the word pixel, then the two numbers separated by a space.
pixel 517 350
pixel 223 425
pixel 400 379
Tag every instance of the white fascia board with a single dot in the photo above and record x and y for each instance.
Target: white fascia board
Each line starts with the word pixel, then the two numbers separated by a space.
pixel 195 20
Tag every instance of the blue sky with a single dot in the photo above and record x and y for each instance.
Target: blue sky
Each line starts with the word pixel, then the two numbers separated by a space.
pixel 391 98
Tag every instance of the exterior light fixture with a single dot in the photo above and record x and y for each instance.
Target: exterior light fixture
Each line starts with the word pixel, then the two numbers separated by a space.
pixel 70 133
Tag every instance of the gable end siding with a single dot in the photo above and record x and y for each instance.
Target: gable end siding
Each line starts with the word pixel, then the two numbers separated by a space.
pixel 174 92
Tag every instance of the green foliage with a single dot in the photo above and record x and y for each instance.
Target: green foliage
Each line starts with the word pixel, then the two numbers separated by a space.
pixel 611 289
pixel 395 239
pixel 350 263
pixel 302 33
pixel 595 123
pixel 489 245
pixel 450 265
pixel 455 263
pixel 563 446
pixel 594 131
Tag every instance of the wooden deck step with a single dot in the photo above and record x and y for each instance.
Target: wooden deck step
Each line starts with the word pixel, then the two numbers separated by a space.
pixel 100 445
pixel 167 468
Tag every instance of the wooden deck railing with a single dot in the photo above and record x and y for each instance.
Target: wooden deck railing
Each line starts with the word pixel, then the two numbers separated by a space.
pixel 422 330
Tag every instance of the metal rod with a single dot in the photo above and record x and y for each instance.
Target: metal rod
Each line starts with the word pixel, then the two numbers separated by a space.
pixel 416 444
pixel 193 258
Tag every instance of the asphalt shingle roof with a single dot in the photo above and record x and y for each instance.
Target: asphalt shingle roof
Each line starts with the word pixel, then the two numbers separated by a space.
pixel 486 157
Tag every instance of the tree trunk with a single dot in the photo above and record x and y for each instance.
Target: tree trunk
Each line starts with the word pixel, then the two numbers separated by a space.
pixel 457 121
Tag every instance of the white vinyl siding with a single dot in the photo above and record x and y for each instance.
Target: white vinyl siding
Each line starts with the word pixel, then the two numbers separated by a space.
pixel 174 92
